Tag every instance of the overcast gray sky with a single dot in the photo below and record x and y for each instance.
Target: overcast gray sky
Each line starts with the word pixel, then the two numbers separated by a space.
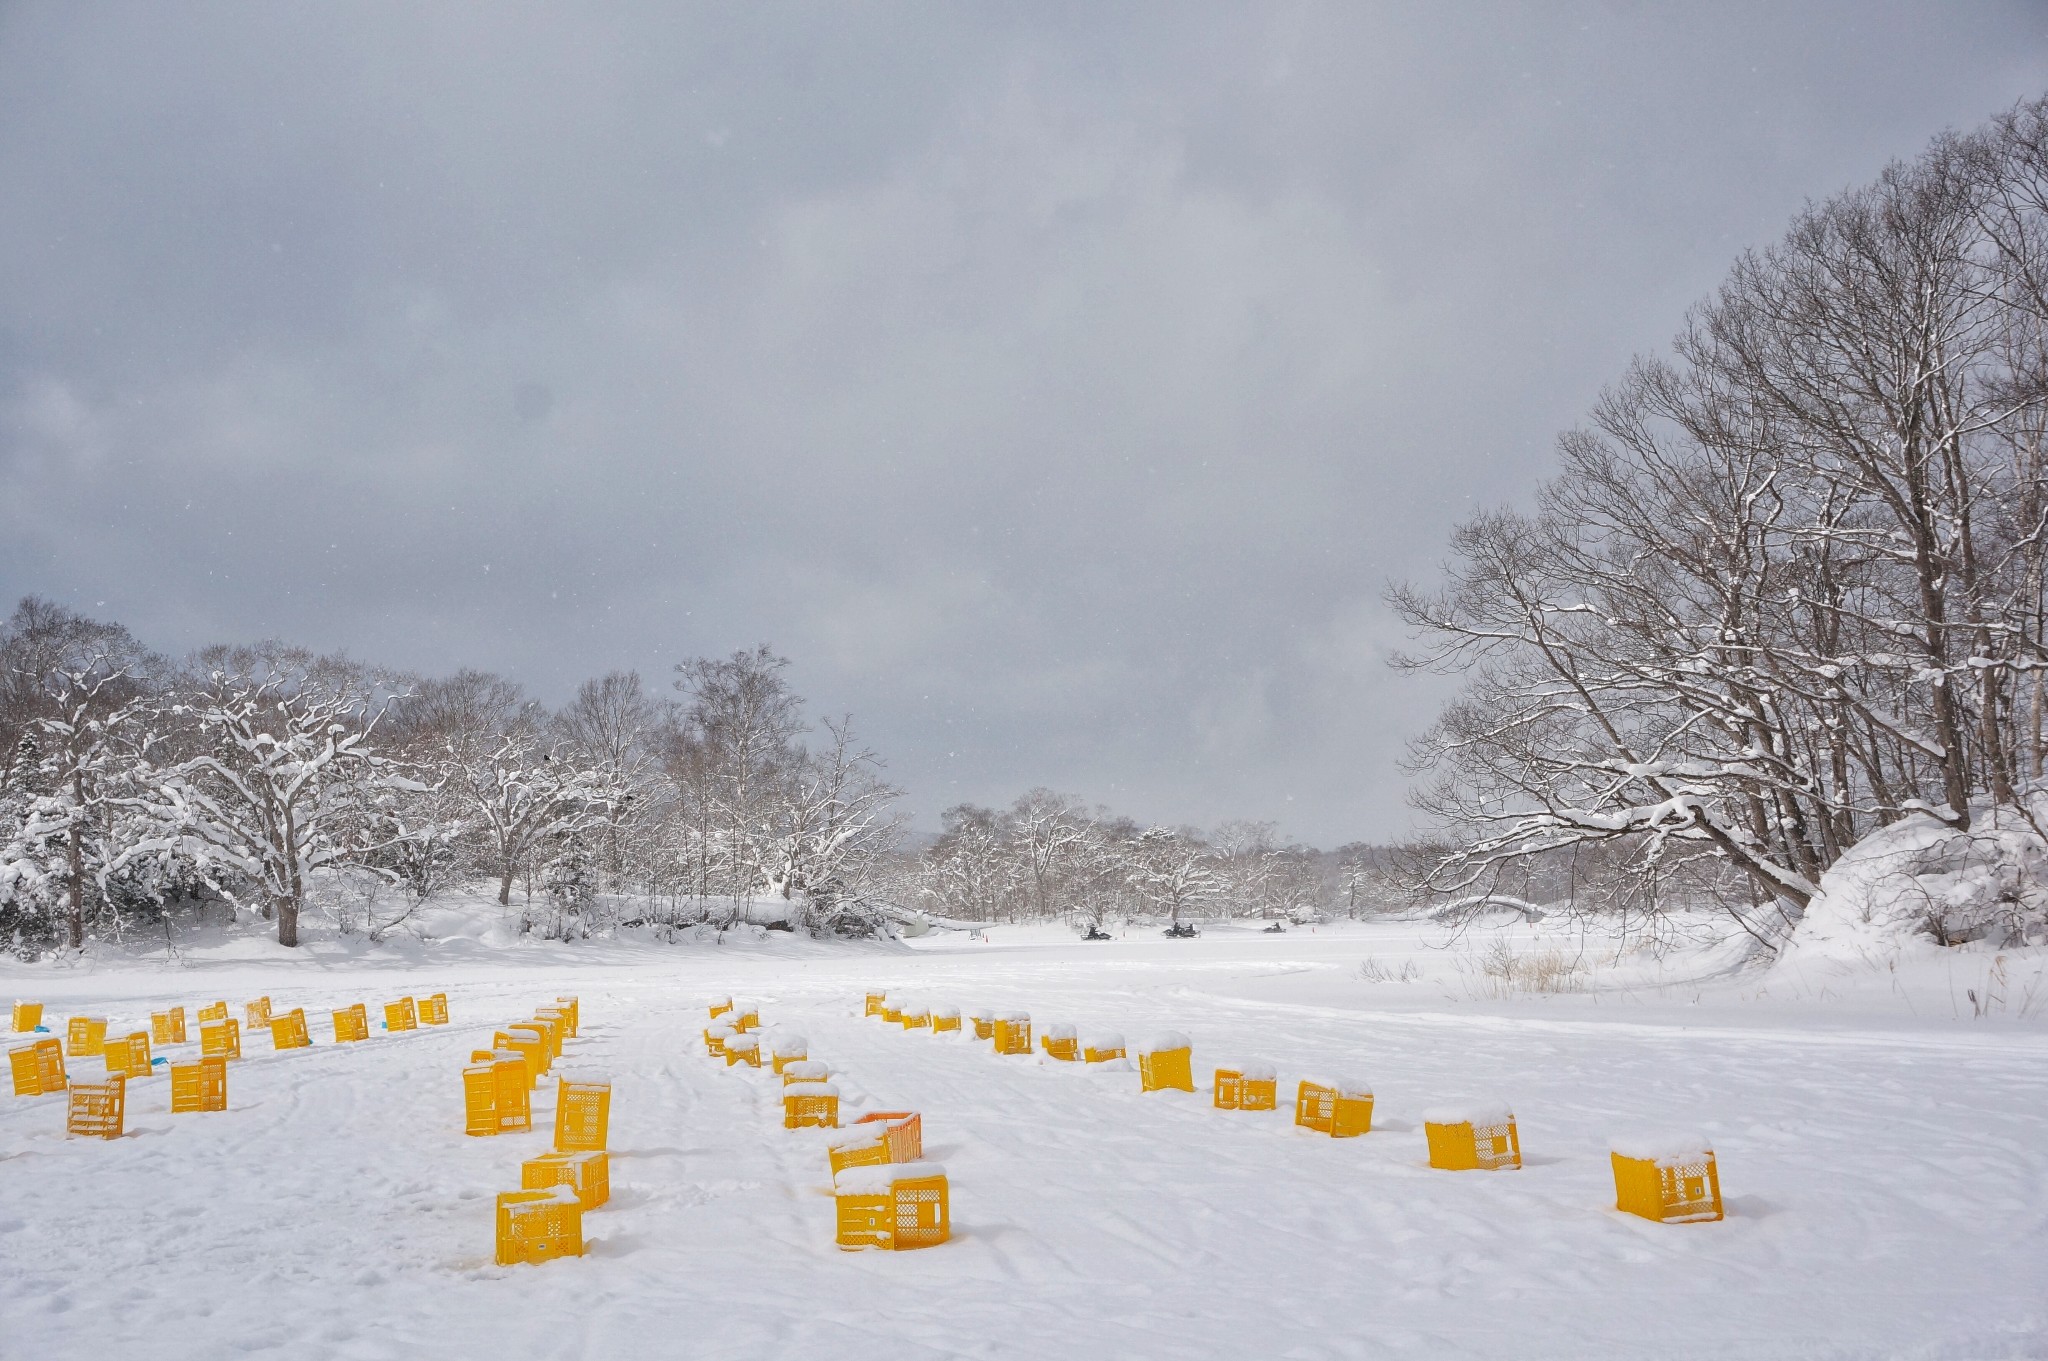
pixel 1057 385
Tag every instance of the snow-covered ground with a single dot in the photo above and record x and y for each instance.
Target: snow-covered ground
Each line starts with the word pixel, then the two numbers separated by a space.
pixel 1880 1143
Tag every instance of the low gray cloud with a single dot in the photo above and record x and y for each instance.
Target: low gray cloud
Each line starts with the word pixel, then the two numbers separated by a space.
pixel 1057 385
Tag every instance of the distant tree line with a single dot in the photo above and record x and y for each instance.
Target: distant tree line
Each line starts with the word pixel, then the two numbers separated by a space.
pixel 272 780
pixel 1787 586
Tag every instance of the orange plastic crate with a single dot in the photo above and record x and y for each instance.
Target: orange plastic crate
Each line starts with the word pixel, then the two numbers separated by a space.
pixel 583 1113
pixel 84 1035
pixel 539 1226
pixel 289 1030
pixel 221 1039
pixel 200 1085
pixel 587 1174
pixel 1673 1181
pixel 98 1110
pixel 352 1024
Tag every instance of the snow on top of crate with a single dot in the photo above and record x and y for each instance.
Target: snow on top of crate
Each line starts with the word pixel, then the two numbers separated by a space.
pixel 796 1089
pixel 560 1193
pixel 1343 1086
pixel 811 1069
pixel 1059 1031
pixel 746 1006
pixel 1103 1039
pixel 584 1077
pixel 743 1042
pixel 951 1013
pixel 1474 1113
pixel 721 1000
pixel 876 1179
pixel 858 1136
pixel 785 1046
pixel 1167 1039
pixel 1017 1017
pixel 1252 1070
pixel 981 1014
pixel 535 1031
pixel 915 1009
pixel 1664 1147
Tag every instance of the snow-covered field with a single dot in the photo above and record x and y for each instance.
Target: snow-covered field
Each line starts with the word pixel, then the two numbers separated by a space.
pixel 1881 1148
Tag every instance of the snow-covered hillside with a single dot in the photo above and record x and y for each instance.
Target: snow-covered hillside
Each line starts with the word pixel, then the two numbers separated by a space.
pixel 1887 1189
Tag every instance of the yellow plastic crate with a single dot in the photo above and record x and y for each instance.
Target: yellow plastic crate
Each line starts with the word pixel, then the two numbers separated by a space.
pixel 400 1015
pixel 720 1007
pixel 810 1105
pixel 221 1039
pixel 877 1138
pixel 917 1018
pixel 891 1013
pixel 714 1040
pixel 27 1016
pixel 212 1011
pixel 257 1012
pixel 583 1113
pixel 554 1026
pixel 539 1226
pixel 589 1175
pixel 805 1070
pixel 1247 1087
pixel 167 1027
pixel 1013 1033
pixel 894 1207
pixel 1672 1180
pixel 37 1069
pixel 289 1030
pixel 1338 1107
pixel 575 1010
pixel 352 1024
pixel 945 1019
pixel 787 1050
pixel 1060 1042
pixel 97 1110
pixel 745 1016
pixel 434 1010
pixel 743 1049
pixel 199 1085
pixel 984 1025
pixel 128 1055
pixel 1102 1048
pixel 495 1097
pixel 531 1042
pixel 871 1007
pixel 84 1035
pixel 1167 1063
pixel 1472 1138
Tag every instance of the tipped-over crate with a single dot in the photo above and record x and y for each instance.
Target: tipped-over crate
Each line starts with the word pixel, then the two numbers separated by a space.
pixel 916 1016
pixel 83 1035
pixel 97 1110
pixel 289 1030
pixel 539 1226
pixel 984 1023
pixel 1062 1043
pixel 1340 1107
pixel 27 1016
pixel 895 1206
pixel 583 1112
pixel 879 1137
pixel 434 1010
pixel 352 1024
pixel 1102 1047
pixel 788 1049
pixel 1672 1178
pixel 588 1174
pixel 810 1105
pixel 1013 1033
pixel 1472 1137
pixel 128 1055
pixel 746 1016
pixel 495 1097
pixel 891 1011
pixel 167 1027
pixel 945 1019
pixel 743 1049
pixel 37 1069
pixel 401 1015
pixel 1166 1062
pixel 199 1085
pixel 220 1039
pixel 1249 1086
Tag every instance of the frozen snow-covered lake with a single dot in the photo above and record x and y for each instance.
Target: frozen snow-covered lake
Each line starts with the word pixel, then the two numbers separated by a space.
pixel 1884 1165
